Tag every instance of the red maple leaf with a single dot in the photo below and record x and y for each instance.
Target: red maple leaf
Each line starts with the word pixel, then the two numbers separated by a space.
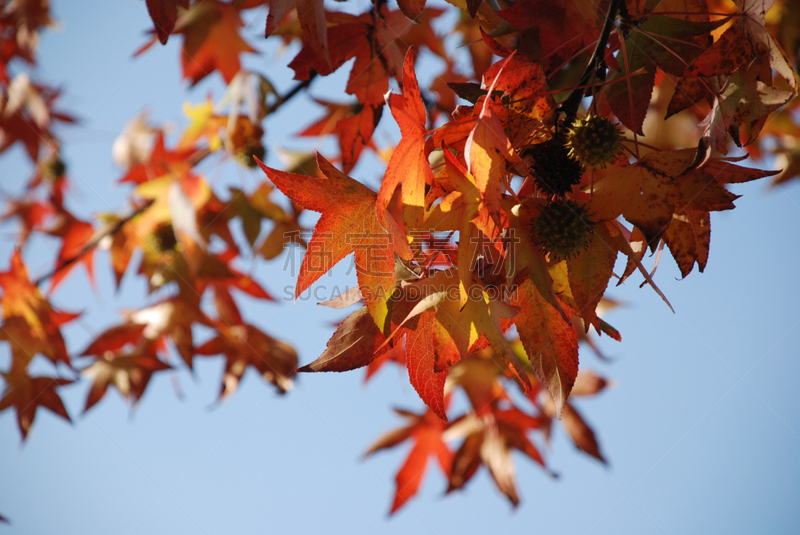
pixel 26 394
pixel 426 432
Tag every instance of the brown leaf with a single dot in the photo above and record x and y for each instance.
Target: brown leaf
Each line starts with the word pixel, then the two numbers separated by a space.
pixel 26 394
pixel 355 343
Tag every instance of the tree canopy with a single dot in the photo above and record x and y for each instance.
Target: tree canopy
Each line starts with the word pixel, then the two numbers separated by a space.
pixel 540 152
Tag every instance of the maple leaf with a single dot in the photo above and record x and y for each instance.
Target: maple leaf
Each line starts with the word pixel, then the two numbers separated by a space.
pixel 488 440
pixel 645 193
pixel 488 149
pixel 349 224
pixel 135 143
pixel 743 108
pixel 589 272
pixel 245 345
pixel 204 123
pixel 26 394
pixel 128 372
pixel 427 342
pixel 26 115
pixel 211 40
pixel 426 431
pixel 688 238
pixel 161 162
pixel 409 162
pixel 354 344
pixel 449 331
pixel 31 324
pixel 352 124
pixel 524 84
pixel 564 27
pixel 550 341
pixel 164 14
pixel 745 41
pixel 32 214
pixel 466 211
pixel 173 317
pixel 75 235
pixel 660 42
pixel 576 427
pixel 372 40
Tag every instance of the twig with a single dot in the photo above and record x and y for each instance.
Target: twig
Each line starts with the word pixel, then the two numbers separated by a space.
pixel 88 246
pixel 293 91
pixel 596 65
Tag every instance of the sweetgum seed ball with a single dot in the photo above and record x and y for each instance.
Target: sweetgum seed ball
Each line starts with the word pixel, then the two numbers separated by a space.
pixel 563 228
pixel 594 141
pixel 554 170
pixel 248 154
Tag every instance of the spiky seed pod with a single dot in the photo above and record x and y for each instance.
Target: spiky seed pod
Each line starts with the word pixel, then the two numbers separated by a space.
pixel 594 141
pixel 164 238
pixel 55 168
pixel 563 228
pixel 553 169
pixel 247 154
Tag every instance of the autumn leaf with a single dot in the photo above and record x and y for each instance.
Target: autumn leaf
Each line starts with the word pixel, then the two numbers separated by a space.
pixel 645 193
pixel 589 272
pixel 554 20
pixel 371 40
pixel 426 340
pixel 26 394
pixel 74 234
pixel 128 372
pixel 211 40
pixel 488 149
pixel 354 344
pixel 349 224
pixel 161 162
pixel 488 440
pixel 426 432
pixel 550 341
pixel 465 210
pixel 30 323
pixel 26 115
pixel 352 124
pixel 246 345
pixel 409 162
pixel 173 317
pixel 524 84
pixel 164 14
pixel 578 430
pixel 659 42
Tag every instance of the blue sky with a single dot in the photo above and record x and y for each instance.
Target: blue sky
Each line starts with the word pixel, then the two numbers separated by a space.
pixel 701 431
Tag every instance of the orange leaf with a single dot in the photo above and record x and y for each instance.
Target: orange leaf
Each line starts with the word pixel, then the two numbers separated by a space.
pixel 589 273
pixel 549 341
pixel 421 348
pixel 409 162
pixel 76 234
pixel 349 224
pixel 426 431
pixel 211 40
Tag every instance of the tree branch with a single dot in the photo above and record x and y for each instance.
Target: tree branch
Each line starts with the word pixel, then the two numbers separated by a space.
pixel 293 91
pixel 597 64
pixel 88 246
